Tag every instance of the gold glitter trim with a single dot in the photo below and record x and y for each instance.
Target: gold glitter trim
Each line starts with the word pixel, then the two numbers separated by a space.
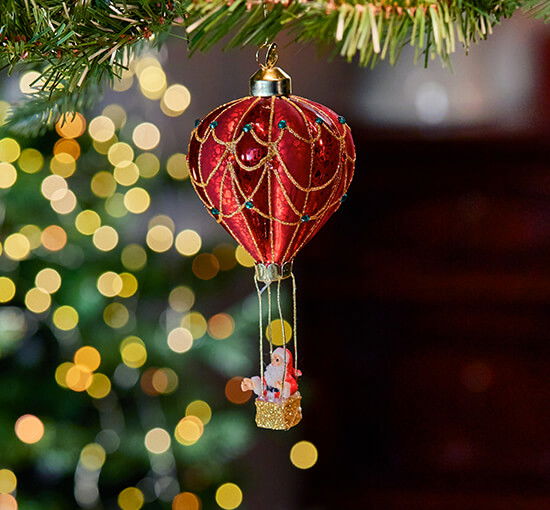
pixel 279 415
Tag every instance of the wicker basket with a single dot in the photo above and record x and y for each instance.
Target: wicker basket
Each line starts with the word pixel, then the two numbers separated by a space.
pixel 280 415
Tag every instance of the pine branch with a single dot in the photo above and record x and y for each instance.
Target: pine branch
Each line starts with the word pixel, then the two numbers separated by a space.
pixel 538 8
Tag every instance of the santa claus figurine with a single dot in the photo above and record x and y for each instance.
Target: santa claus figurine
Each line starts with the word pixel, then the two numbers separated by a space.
pixel 271 388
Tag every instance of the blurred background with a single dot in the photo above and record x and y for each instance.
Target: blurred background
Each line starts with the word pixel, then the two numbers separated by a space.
pixel 127 316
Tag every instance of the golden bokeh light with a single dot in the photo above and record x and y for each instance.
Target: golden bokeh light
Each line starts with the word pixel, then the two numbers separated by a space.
pixel 162 219
pixel 120 152
pixel 37 301
pixel 29 429
pixel 103 184
pixel 233 391
pixel 101 128
pixel 78 378
pixel 4 111
pixel 164 381
pixel 8 481
pixel 186 501
pixel 221 326
pixel 65 204
pixel 54 186
pixel 31 161
pixel 133 257
pixel 176 98
pixel 160 238
pixel 195 323
pixel 8 502
pixel 188 242
pixel 17 246
pixel 54 238
pixel 304 455
pixel 117 114
pixel 9 150
pixel 129 285
pixel 63 164
pixel 48 280
pixel 157 440
pixel 7 289
pixel 200 409
pixel 148 164
pixel 243 257
pixel 8 175
pixel 87 222
pixel 27 83
pixel 205 266
pixel 131 498
pixel 66 145
pixel 103 147
pixel 133 352
pixel 177 167
pixel 137 200
pixel 61 373
pixel 115 206
pixel 71 125
pixel 65 318
pixel 123 82
pixel 275 334
pixel 152 82
pixel 229 496
pixel 126 173
pixel 32 233
pixel 180 340
pixel 105 238
pixel 116 315
pixel 109 284
pixel 181 299
pixel 146 136
pixel 93 456
pixel 88 357
pixel 189 430
pixel 100 386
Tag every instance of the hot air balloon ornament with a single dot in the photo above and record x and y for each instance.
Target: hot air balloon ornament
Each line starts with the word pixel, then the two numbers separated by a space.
pixel 271 168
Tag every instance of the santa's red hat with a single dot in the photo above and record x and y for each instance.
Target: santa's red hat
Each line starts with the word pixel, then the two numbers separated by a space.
pixel 290 370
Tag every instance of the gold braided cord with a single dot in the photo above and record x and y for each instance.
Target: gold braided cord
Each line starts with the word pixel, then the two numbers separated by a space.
pixel 261 326
pixel 283 332
pixel 295 320
pixel 269 317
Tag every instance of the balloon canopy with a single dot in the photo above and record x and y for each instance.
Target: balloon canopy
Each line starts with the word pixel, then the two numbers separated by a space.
pixel 271 171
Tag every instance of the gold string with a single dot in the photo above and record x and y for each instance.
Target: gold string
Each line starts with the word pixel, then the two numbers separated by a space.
pixel 270 326
pixel 283 333
pixel 261 336
pixel 295 321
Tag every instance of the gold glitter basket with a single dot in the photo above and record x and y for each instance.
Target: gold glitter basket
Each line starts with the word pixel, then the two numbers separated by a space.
pixel 279 415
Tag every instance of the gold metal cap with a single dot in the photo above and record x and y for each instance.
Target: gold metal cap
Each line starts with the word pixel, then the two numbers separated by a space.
pixel 270 80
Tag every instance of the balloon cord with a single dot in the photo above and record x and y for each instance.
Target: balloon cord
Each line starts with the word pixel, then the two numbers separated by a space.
pixel 295 322
pixel 269 325
pixel 283 332
pixel 260 320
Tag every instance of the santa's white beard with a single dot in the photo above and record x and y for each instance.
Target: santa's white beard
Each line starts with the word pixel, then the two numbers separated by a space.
pixel 274 374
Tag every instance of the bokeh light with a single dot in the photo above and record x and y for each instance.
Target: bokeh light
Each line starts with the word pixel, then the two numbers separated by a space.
pixel 133 257
pixel 133 352
pixel 233 391
pixel 63 164
pixel 188 242
pixel 304 455
pixel 29 429
pixel 117 114
pixel 7 289
pixel 160 238
pixel 53 187
pixel 120 152
pixel 9 150
pixel 157 440
pixel 103 184
pixel 200 409
pixel 37 301
pixel 65 204
pixel 221 326
pixel 48 280
pixel 88 357
pixel 126 173
pixel 175 100
pixel 148 164
pixel 243 257
pixel 8 502
pixel 27 83
pixel 8 481
pixel 71 125
pixel 93 456
pixel 31 161
pixel 131 498
pixel 137 200
pixel 129 285
pixel 105 238
pixel 229 496
pixel 186 501
pixel 78 378
pixel 146 136
pixel 177 167
pixel 101 128
pixel 181 298
pixel 225 253
pixel 8 175
pixel 205 266
pixel 116 315
pixel 54 238
pixel 180 340
pixel 195 323
pixel 100 386
pixel 109 284
pixel 65 318
pixel 17 246
pixel 67 146
pixel 87 222
pixel 275 334
pixel 189 430
pixel 33 234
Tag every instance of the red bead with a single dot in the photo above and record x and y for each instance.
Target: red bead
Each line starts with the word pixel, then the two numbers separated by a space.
pixel 292 168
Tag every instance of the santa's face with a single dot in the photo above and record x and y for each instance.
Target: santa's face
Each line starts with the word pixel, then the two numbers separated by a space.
pixel 276 360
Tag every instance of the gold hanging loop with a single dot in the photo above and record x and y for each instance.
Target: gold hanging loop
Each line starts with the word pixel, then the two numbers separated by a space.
pixel 271 56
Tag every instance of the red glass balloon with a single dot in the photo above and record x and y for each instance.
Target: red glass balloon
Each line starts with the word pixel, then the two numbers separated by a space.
pixel 272 170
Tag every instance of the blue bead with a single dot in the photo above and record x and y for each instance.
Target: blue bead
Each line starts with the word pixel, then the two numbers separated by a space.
pixel 344 197
pixel 213 124
pixel 319 120
pixel 249 204
pixel 341 120
pixel 247 128
pixel 214 211
pixel 282 124
pixel 197 122
pixel 305 218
